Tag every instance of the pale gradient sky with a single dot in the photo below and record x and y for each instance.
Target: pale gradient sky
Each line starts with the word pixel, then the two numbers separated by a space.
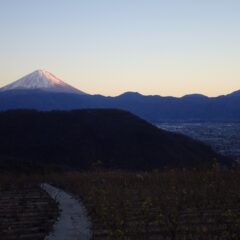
pixel 163 47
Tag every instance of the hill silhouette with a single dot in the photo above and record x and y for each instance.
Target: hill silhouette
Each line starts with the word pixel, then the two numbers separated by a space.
pixel 151 108
pixel 84 139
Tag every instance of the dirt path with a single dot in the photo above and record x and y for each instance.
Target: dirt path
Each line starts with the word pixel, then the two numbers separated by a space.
pixel 73 222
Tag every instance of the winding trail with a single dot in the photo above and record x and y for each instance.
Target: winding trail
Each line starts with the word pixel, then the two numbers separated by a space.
pixel 73 222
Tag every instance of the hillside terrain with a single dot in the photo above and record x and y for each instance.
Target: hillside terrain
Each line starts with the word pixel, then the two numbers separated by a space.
pixel 86 139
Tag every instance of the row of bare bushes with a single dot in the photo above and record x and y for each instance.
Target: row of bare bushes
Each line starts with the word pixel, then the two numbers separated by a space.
pixel 158 205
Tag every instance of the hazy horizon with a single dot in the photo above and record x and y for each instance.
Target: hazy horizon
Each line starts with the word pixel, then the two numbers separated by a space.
pixel 107 95
pixel 154 47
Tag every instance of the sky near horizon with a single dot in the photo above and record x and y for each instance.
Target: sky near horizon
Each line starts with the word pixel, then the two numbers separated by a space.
pixel 156 47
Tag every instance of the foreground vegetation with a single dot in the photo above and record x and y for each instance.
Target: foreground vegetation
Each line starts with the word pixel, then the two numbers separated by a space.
pixel 170 205
pixel 26 211
pixel 167 205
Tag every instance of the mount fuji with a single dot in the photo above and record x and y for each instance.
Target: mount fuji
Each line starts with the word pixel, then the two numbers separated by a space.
pixel 43 91
pixel 41 80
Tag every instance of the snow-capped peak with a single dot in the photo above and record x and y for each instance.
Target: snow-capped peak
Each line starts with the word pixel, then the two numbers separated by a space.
pixel 41 80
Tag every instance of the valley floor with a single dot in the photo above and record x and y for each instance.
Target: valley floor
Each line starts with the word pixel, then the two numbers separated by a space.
pixel 223 137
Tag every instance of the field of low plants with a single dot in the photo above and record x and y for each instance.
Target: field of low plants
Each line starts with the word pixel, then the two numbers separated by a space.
pixel 167 205
pixel 158 205
pixel 26 211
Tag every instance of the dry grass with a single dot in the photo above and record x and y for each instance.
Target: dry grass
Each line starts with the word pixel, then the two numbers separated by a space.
pixel 157 205
pixel 26 211
pixel 166 205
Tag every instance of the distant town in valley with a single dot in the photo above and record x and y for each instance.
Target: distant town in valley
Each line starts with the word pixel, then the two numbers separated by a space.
pixel 223 137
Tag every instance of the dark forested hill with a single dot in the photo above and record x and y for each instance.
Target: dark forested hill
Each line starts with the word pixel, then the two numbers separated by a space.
pixel 86 138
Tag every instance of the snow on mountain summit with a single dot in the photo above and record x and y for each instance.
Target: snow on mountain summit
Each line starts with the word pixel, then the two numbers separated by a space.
pixel 41 80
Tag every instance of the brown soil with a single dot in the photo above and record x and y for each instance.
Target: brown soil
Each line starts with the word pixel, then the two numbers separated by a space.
pixel 27 214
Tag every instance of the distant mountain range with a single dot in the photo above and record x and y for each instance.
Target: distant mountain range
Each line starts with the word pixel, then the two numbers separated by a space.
pixel 41 90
